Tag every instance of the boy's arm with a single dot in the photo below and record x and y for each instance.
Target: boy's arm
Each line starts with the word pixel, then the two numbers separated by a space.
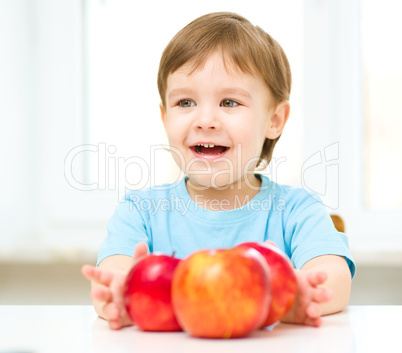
pixel 324 285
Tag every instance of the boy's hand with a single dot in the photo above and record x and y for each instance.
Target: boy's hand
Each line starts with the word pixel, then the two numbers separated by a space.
pixel 110 293
pixel 306 308
pixel 107 291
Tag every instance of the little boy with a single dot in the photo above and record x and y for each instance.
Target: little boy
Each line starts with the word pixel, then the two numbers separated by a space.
pixel 224 86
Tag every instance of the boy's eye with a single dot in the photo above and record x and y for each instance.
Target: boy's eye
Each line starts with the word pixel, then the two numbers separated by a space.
pixel 228 103
pixel 186 103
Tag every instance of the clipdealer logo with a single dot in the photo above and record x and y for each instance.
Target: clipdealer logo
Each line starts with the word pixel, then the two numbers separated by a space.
pixel 319 173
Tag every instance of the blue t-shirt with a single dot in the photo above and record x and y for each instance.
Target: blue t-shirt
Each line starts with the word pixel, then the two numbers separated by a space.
pixel 168 220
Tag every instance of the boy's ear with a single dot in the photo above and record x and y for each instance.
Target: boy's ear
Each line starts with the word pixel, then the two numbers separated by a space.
pixel 278 120
pixel 163 115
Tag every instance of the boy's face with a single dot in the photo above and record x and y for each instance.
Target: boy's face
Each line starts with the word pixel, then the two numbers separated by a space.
pixel 224 108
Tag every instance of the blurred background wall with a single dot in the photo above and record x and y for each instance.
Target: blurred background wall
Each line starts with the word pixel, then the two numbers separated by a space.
pixel 80 126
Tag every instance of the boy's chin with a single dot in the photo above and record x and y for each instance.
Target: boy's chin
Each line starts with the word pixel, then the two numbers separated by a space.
pixel 223 181
pixel 204 182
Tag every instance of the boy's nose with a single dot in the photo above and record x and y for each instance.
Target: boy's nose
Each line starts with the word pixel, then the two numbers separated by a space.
pixel 207 120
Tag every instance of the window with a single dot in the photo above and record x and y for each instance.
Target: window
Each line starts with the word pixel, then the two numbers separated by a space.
pixel 382 79
pixel 341 107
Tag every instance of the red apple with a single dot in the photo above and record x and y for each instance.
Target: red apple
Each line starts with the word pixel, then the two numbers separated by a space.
pixel 221 293
pixel 148 293
pixel 283 280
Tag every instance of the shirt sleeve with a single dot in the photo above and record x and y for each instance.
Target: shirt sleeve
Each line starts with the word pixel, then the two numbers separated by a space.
pixel 125 229
pixel 310 232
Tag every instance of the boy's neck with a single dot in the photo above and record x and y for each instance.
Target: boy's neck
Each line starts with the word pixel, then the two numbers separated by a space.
pixel 225 199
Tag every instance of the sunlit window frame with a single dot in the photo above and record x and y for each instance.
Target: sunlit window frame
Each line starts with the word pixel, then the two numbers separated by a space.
pixel 375 236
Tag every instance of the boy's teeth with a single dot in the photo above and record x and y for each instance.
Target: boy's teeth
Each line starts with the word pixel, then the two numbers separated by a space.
pixel 207 146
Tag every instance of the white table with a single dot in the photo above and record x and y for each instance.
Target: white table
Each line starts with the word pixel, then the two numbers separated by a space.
pixel 57 329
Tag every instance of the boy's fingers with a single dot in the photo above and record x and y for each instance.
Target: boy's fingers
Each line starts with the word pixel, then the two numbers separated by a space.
pixel 101 294
pixel 112 311
pixel 270 242
pixel 95 274
pixel 87 271
pixel 141 249
pixel 115 324
pixel 315 322
pixel 322 295
pixel 316 278
pixel 313 311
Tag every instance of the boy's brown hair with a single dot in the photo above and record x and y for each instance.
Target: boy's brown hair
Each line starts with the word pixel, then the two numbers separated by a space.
pixel 246 46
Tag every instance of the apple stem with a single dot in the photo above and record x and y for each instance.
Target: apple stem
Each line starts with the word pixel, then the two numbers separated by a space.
pixel 174 252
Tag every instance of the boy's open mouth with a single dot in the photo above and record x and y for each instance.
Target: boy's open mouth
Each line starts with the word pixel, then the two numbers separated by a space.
pixel 209 149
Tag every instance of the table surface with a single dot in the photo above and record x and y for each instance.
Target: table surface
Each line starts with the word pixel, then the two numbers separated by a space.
pixel 42 329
